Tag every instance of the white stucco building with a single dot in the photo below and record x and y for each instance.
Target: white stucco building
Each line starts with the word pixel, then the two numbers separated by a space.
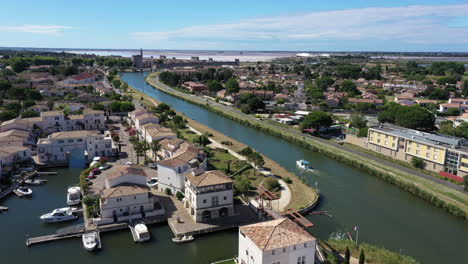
pixel 12 154
pixel 208 195
pixel 279 241
pixel 57 147
pixel 126 197
pixel 171 171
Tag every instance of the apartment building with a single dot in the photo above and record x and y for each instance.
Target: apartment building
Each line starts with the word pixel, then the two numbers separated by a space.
pixel 439 152
pixel 208 195
pixel 58 146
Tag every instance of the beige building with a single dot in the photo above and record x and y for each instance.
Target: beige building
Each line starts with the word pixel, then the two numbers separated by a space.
pixel 439 152
pixel 208 195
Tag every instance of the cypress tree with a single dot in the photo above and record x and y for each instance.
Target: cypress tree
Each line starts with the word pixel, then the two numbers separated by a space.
pixel 362 257
pixel 347 255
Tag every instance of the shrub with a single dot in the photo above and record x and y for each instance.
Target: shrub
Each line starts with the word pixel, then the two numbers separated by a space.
pixel 168 191
pixel 287 180
pixel 418 163
pixel 103 160
pixel 363 132
pixel 246 151
pixel 272 184
pixel 179 196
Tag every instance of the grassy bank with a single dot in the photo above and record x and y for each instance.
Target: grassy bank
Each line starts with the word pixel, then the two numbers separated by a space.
pixel 451 200
pixel 302 195
pixel 336 249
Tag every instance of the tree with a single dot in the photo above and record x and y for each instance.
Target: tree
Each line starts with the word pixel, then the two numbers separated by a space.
pixel 18 93
pixel 214 86
pixel 160 108
pixel 232 86
pixel 116 83
pixel 178 121
pixel 126 107
pixel 50 105
pixel 349 87
pixel 417 163
pixel 33 94
pixel 272 184
pixel 29 113
pixel 155 146
pixel 19 64
pixel 407 116
pixel 29 103
pixel 14 107
pixel 324 82
pixel 242 184
pixel 362 257
pixel 358 121
pixel 179 196
pixel 315 120
pixel 98 106
pixel 5 85
pixel 256 159
pixel 203 140
pixel 464 88
pixel 453 112
pixel 7 115
pixel 347 255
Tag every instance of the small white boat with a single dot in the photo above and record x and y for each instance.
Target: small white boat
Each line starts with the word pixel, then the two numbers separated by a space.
pixel 35 181
pixel 24 190
pixel 141 232
pixel 74 195
pixel 183 239
pixel 303 164
pixel 59 215
pixel 89 240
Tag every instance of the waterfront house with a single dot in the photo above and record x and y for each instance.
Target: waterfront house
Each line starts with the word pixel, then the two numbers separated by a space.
pixel 208 195
pixel 17 123
pixel 126 197
pixel 171 171
pixel 14 137
pixel 60 145
pixel 276 241
pixel 12 154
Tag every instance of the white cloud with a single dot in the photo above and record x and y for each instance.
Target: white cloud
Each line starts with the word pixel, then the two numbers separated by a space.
pixel 53 30
pixel 420 24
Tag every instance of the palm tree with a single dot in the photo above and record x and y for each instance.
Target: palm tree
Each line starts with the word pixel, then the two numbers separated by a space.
pixel 155 147
pixel 137 146
pixel 144 147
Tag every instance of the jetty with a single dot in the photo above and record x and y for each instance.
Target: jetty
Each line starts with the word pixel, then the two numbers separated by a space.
pixel 47 173
pixel 16 184
pixel 297 217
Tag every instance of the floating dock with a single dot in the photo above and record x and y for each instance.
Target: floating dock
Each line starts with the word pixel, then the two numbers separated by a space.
pixel 47 173
pixel 43 239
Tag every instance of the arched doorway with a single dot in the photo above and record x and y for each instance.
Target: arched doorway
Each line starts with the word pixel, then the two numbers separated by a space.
pixel 223 212
pixel 206 215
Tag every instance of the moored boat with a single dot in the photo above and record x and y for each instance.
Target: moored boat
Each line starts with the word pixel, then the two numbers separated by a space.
pixel 35 181
pixel 74 195
pixel 183 239
pixel 24 190
pixel 59 215
pixel 89 240
pixel 142 233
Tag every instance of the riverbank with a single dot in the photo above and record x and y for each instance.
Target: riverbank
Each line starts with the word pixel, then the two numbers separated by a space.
pixel 302 195
pixel 453 201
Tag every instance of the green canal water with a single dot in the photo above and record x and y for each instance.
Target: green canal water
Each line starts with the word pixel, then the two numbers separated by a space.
pixel 386 215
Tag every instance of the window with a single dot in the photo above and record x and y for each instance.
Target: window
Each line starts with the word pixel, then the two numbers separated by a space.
pixel 225 198
pixel 61 141
pixel 71 140
pixel 386 142
pixel 428 155
pixel 80 140
pixel 204 201
pixel 428 148
pixel 273 252
pixel 305 245
pixel 417 152
pixel 57 118
pixel 294 247
pixel 393 144
pixel 301 260
pixel 214 201
pixel 284 249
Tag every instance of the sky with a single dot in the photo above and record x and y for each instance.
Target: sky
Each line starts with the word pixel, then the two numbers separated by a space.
pixel 286 25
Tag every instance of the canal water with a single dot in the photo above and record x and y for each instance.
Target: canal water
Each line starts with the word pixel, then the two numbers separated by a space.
pixel 386 215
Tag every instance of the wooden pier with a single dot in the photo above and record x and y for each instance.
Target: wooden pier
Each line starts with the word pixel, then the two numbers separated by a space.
pixel 299 218
pixel 43 239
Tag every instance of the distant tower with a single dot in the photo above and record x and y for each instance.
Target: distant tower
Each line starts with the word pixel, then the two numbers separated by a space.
pixel 141 52
pixel 138 60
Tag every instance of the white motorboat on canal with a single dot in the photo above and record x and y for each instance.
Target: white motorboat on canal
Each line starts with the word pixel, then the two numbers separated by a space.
pixel 35 181
pixel 303 164
pixel 59 215
pixel 183 239
pixel 142 233
pixel 90 240
pixel 24 191
pixel 74 195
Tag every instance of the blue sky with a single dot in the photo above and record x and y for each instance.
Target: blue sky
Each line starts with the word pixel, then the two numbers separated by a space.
pixel 311 25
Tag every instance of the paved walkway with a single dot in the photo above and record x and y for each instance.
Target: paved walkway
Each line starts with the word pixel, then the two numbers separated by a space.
pixel 305 136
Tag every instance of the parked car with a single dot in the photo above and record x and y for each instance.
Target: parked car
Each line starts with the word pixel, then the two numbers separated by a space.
pixel 152 183
pixel 128 163
pixel 96 171
pixel 97 159
pixel 105 166
pixel 91 175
